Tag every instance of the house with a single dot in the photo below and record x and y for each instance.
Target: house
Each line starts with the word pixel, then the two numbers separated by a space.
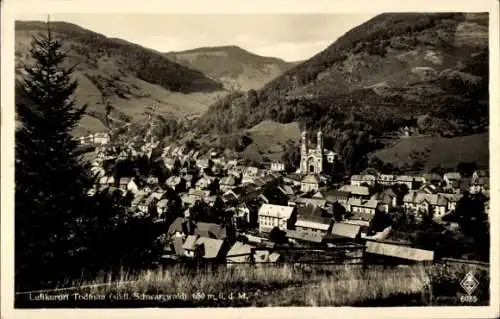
pixel 161 206
pixel 174 182
pixel 480 173
pixel 333 196
pixel 356 191
pixel 362 180
pixel 189 200
pixel 386 179
pixel 356 205
pixel 405 180
pixel 479 185
pixel 210 230
pixel 310 220
pixel 303 201
pixel 101 138
pixel 152 180
pixel 387 199
pixel 129 184
pixel 236 170
pixel 178 228
pixel 107 180
pixel 204 182
pixel 169 162
pixel 270 216
pixel 277 166
pixel 241 213
pixel 239 253
pixel 203 163
pixel 198 194
pixel 137 201
pixel 424 203
pixel 208 248
pixel 227 183
pixel 452 200
pixel 249 174
pixel 396 253
pixel 265 256
pixel 310 183
pixel 300 236
pixel 345 231
pixel 188 178
pixel 452 179
pixel 432 178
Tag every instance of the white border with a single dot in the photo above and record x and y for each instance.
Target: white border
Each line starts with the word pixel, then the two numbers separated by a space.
pixel 10 8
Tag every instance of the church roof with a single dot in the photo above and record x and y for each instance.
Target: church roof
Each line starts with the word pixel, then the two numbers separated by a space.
pixel 311 179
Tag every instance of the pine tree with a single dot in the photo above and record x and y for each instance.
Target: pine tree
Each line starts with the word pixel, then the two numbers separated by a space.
pixel 51 183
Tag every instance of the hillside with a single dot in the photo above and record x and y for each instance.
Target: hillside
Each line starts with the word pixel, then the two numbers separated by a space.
pixel 425 71
pixel 435 152
pixel 127 77
pixel 236 68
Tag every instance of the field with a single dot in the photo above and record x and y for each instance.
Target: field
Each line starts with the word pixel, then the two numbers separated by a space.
pixel 285 285
pixel 269 139
pixel 437 151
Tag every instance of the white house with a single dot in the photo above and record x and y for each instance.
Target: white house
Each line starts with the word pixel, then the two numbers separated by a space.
pixel 271 216
pixel 277 166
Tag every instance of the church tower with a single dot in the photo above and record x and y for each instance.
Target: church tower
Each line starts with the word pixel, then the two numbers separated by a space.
pixel 303 153
pixel 319 147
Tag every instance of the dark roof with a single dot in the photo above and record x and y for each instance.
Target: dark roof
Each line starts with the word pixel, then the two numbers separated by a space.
pixel 309 237
pixel 210 230
pixel 176 226
pixel 310 212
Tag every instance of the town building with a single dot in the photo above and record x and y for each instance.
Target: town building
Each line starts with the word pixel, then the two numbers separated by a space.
pixel 277 166
pixel 271 216
pixel 310 183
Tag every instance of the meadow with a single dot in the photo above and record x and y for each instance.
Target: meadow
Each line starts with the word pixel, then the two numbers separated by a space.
pixel 283 285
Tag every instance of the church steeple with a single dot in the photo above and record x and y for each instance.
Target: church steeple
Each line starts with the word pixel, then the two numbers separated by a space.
pixel 305 146
pixel 319 143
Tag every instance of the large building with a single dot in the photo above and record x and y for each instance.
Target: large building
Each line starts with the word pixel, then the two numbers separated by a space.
pixel 315 160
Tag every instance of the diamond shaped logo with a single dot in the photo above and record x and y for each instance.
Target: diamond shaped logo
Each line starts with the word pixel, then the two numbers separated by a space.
pixel 469 283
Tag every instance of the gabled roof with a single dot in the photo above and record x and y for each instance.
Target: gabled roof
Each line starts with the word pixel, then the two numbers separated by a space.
pixel 345 230
pixel 228 180
pixel 398 251
pixel 404 178
pixel 162 203
pixel 452 176
pixel 173 180
pixel 311 201
pixel 314 223
pixel 311 179
pixel 261 256
pixel 371 203
pixel 356 190
pixel 303 236
pixel 419 197
pixel 363 178
pixel 190 242
pixel 176 226
pixel 239 252
pixel 211 247
pixel 250 171
pixel 276 211
pixel 210 230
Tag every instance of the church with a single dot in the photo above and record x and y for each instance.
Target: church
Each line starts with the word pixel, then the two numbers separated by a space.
pixel 315 159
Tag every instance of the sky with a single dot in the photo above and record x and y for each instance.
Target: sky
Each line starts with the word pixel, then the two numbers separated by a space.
pixel 292 37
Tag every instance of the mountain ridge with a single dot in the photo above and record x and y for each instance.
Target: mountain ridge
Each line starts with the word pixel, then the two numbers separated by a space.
pixel 425 71
pixel 237 68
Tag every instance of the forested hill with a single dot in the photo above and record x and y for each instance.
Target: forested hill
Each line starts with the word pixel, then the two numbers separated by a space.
pixel 236 68
pixel 425 71
pixel 123 75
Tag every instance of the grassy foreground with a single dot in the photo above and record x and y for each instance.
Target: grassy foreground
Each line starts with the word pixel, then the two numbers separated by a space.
pixel 285 285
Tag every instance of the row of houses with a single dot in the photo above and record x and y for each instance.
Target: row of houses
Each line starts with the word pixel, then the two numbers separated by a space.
pixel 452 180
